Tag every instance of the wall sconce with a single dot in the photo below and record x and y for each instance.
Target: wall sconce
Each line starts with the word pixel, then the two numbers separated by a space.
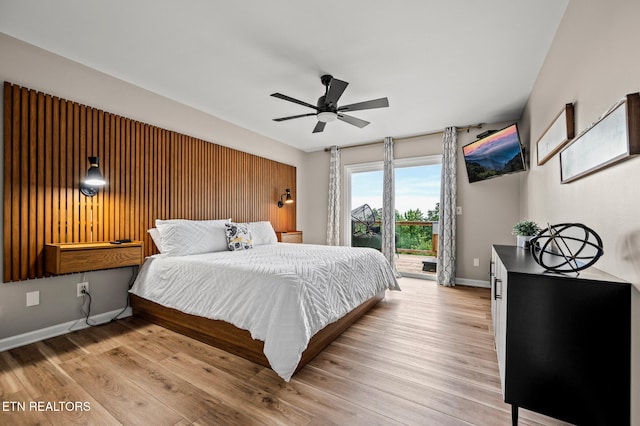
pixel 287 198
pixel 94 179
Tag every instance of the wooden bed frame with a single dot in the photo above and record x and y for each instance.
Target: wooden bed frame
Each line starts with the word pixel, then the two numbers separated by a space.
pixel 228 337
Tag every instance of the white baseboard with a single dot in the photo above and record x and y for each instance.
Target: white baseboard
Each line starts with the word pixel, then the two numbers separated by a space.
pixel 427 277
pixel 59 329
pixel 460 281
pixel 473 283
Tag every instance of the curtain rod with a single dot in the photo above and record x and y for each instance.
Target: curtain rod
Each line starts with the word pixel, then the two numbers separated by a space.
pixel 467 128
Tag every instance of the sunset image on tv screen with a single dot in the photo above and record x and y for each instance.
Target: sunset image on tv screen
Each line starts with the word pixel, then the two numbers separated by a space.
pixel 497 154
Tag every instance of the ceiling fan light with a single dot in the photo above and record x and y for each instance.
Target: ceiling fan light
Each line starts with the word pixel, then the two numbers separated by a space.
pixel 327 116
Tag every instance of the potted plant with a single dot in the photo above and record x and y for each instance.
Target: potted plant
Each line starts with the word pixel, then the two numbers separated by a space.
pixel 525 230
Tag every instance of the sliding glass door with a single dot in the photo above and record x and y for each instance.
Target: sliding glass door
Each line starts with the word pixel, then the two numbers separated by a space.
pixel 417 196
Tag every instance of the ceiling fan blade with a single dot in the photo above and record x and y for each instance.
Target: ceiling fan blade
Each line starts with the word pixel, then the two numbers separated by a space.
pixel 375 103
pixel 336 88
pixel 294 116
pixel 319 127
pixel 352 120
pixel 295 101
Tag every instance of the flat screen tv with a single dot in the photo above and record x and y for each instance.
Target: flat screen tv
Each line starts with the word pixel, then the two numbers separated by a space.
pixel 494 155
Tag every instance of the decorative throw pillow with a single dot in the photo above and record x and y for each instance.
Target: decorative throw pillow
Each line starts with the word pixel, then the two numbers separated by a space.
pixel 238 236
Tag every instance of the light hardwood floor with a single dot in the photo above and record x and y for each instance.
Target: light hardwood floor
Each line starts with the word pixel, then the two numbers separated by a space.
pixel 423 356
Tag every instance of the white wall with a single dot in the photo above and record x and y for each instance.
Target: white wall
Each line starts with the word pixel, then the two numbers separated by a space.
pixel 592 62
pixel 490 208
pixel 31 67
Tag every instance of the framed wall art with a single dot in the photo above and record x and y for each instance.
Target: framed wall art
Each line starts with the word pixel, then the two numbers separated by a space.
pixel 557 135
pixel 612 138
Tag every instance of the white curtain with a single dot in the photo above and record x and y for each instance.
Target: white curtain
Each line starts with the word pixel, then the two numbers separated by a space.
pixel 446 263
pixel 333 213
pixel 388 206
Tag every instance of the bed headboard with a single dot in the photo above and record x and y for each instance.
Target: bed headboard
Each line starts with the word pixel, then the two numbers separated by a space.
pixel 151 173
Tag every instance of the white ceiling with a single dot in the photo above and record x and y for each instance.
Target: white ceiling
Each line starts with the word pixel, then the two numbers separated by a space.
pixel 440 63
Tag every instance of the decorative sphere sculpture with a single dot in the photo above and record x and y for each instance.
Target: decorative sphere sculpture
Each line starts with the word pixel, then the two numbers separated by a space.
pixel 566 247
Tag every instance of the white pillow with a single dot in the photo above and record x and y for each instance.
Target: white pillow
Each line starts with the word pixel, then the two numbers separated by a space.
pixel 262 233
pixel 181 237
pixel 155 237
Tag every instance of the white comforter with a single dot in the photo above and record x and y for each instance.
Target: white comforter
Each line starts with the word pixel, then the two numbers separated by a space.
pixel 282 293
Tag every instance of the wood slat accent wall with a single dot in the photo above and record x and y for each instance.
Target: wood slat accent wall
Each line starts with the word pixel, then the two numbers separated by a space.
pixel 151 173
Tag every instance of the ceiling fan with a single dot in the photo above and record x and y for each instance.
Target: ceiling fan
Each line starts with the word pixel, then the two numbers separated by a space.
pixel 327 108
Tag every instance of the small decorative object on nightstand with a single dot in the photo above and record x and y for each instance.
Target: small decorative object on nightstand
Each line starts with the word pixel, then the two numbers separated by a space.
pixel 290 237
pixel 65 258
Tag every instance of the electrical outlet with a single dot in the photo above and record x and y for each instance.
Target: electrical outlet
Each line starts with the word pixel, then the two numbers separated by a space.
pixel 459 210
pixel 476 261
pixel 82 286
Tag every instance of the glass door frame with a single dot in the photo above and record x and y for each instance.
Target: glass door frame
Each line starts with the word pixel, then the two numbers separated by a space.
pixel 350 169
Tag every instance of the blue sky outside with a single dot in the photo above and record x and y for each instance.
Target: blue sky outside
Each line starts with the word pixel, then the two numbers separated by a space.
pixel 416 187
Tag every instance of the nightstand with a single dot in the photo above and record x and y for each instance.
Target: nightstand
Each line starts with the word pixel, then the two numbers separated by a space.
pixel 65 258
pixel 290 237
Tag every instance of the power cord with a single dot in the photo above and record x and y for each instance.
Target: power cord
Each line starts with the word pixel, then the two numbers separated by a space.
pixel 86 294
pixel 134 273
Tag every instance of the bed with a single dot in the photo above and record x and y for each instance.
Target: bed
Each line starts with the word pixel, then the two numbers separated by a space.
pixel 276 304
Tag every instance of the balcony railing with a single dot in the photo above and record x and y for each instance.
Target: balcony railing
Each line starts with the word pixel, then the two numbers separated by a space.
pixel 416 244
pixel 406 241
pixel 433 251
